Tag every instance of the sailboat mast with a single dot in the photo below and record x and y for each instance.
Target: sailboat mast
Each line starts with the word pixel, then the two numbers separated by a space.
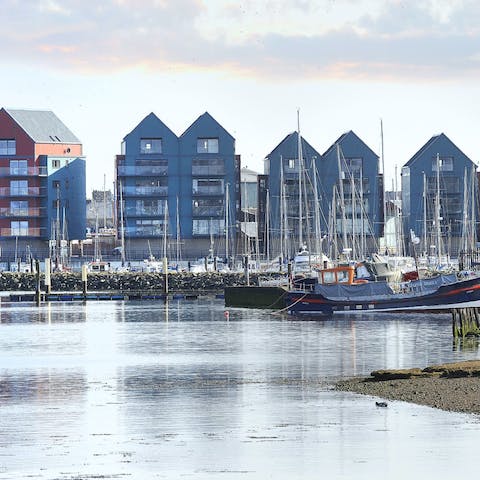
pixel 342 198
pixel 122 227
pixel 425 249
pixel 383 184
pixel 437 212
pixel 178 232
pixel 300 173
pixel 165 228
pixel 318 235
pixel 227 204
pixel 267 226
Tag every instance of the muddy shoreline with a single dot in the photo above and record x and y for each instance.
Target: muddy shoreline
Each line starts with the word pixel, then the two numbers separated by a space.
pixel 453 387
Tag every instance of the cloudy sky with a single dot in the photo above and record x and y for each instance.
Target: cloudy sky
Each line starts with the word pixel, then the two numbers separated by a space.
pixel 346 64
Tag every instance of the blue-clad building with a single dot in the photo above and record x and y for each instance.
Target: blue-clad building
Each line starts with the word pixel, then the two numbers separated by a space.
pixel 287 199
pixel 178 195
pixel 439 189
pixel 337 198
pixel 351 193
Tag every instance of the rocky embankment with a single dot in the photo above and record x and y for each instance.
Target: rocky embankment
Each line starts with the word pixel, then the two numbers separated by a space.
pixel 451 386
pixel 128 281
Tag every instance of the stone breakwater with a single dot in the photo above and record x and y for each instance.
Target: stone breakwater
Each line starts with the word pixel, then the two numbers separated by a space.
pixel 451 386
pixel 129 281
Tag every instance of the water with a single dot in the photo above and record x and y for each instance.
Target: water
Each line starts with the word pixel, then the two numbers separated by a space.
pixel 142 390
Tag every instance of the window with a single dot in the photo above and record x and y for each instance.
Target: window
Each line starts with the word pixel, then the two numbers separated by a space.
pixel 150 145
pixel 208 227
pixel 56 184
pixel 18 167
pixel 19 207
pixel 8 147
pixel 352 166
pixel 207 145
pixel 211 207
pixel 207 186
pixel 291 163
pixel 55 163
pixel 208 166
pixel 19 228
pixel 445 164
pixel 19 187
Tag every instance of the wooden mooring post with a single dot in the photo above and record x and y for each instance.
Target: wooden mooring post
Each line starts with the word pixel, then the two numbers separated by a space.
pixel 466 322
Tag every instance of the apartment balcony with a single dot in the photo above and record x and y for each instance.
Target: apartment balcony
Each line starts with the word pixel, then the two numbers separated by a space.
pixel 217 211
pixel 205 190
pixel 32 212
pixel 207 171
pixel 131 212
pixel 146 231
pixel 22 232
pixel 23 192
pixel 142 171
pixel 144 191
pixel 23 171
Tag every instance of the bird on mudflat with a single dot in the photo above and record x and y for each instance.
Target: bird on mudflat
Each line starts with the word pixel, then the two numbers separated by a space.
pixel 381 404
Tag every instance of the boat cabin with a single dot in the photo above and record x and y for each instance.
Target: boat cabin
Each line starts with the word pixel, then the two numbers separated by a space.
pixel 341 275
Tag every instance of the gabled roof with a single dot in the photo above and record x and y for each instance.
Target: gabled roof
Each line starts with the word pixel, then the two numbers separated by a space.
pixel 429 144
pixel 342 137
pixel 205 117
pixel 293 137
pixel 43 126
pixel 151 117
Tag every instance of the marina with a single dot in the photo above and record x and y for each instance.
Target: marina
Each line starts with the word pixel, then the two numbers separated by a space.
pixel 172 389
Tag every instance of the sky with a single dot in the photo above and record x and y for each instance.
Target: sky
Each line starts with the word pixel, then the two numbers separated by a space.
pixel 101 67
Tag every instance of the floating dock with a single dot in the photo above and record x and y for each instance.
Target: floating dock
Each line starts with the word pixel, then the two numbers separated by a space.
pixel 256 297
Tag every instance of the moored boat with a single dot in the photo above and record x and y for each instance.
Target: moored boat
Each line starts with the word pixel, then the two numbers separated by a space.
pixel 338 291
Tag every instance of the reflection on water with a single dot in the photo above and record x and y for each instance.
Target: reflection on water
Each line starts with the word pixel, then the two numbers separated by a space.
pixel 154 390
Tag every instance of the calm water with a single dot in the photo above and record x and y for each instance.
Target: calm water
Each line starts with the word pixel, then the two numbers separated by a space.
pixel 145 390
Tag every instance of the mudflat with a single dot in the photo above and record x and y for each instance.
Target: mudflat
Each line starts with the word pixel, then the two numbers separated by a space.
pixel 450 386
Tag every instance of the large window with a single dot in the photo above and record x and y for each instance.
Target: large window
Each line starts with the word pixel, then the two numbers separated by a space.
pixel 208 166
pixel 18 167
pixel 19 208
pixel 352 166
pixel 150 207
pixel 207 186
pixel 207 207
pixel 8 147
pixel 445 164
pixel 151 145
pixel 19 187
pixel 208 227
pixel 19 228
pixel 207 145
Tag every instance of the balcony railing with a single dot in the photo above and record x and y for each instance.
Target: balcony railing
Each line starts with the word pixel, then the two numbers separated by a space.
pixel 216 211
pixel 23 171
pixel 144 191
pixel 144 231
pixel 144 212
pixel 21 232
pixel 207 170
pixel 208 190
pixel 22 212
pixel 142 171
pixel 22 192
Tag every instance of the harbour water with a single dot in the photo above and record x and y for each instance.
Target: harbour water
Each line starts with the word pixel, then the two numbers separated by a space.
pixel 179 390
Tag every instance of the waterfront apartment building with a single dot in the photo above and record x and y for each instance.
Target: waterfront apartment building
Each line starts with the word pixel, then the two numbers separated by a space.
pixel 178 196
pixel 326 203
pixel 352 197
pixel 288 204
pixel 439 199
pixel 42 185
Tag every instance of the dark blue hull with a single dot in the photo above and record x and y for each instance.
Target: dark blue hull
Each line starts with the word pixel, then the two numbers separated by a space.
pixel 461 294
